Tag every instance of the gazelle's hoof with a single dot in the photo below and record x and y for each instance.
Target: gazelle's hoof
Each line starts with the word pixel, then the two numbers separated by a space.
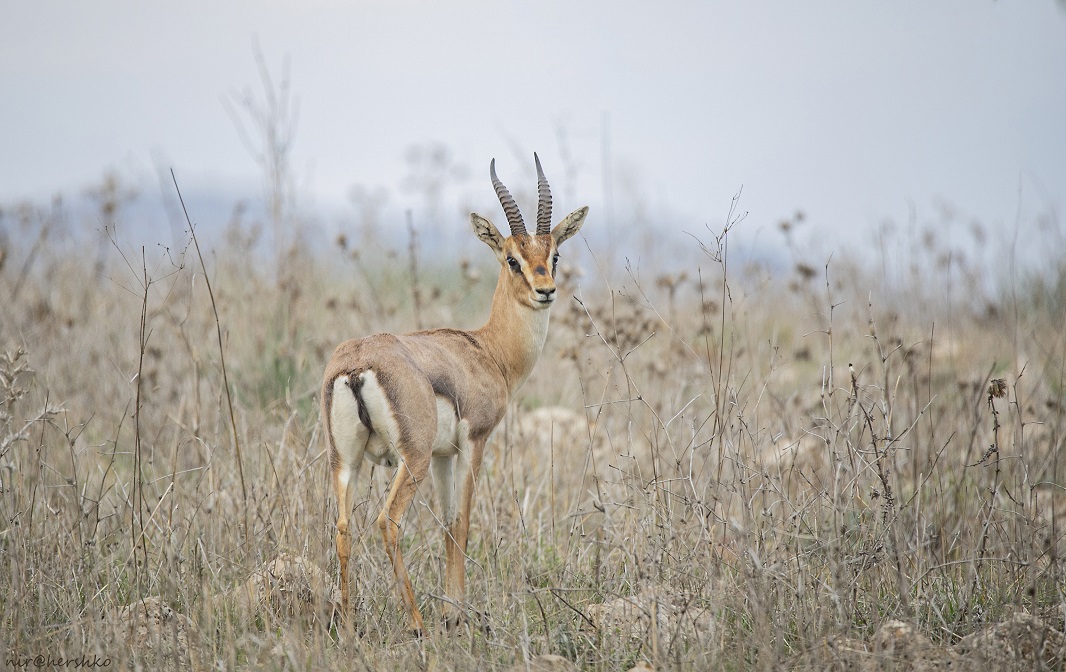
pixel 453 621
pixel 457 619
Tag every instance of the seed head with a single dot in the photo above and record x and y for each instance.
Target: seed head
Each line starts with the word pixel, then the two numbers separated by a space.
pixel 997 388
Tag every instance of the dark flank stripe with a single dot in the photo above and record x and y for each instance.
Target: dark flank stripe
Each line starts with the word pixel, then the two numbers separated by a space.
pixel 444 388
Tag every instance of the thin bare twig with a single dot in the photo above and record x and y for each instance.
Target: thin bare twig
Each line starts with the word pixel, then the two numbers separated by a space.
pixel 221 349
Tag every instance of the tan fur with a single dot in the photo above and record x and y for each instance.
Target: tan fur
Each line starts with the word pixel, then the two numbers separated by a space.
pixel 400 384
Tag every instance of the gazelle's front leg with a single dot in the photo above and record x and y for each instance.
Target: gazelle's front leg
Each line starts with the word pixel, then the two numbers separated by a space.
pixel 403 489
pixel 457 535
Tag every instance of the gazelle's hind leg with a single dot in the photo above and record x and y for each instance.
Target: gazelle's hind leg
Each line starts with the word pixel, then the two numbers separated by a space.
pixel 344 485
pixel 403 490
pixel 347 443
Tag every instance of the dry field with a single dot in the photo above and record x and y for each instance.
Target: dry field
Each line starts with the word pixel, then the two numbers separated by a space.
pixel 712 467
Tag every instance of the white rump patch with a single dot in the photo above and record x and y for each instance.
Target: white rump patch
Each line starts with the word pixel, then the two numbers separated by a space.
pixel 349 433
pixel 381 448
pixel 351 438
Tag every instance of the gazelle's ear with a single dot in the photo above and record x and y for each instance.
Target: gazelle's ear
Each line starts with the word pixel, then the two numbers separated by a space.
pixel 488 233
pixel 570 225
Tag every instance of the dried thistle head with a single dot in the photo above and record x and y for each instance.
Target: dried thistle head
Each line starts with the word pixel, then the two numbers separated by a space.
pixel 997 388
pixel 666 281
pixel 567 274
pixel 805 271
pixel 469 273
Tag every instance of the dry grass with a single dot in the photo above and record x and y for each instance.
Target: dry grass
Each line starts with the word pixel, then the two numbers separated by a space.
pixel 709 469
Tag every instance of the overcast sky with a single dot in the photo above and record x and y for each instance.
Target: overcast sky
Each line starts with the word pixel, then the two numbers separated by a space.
pixel 852 112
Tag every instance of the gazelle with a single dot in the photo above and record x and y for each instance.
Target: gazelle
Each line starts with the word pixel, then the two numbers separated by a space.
pixel 433 398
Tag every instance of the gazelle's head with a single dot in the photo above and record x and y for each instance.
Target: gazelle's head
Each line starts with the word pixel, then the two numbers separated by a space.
pixel 528 261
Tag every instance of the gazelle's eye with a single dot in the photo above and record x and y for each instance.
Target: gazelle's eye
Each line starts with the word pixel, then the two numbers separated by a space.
pixel 513 263
pixel 555 262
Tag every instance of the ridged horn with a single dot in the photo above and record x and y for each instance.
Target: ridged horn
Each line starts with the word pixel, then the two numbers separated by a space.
pixel 510 208
pixel 544 201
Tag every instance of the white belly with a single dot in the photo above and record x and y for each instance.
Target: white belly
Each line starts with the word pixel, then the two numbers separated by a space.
pixel 446 443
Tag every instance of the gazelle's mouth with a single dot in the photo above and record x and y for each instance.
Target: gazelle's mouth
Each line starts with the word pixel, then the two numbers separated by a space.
pixel 543 302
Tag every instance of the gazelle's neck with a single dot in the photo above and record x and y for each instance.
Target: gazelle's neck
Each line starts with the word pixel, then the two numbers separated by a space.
pixel 514 334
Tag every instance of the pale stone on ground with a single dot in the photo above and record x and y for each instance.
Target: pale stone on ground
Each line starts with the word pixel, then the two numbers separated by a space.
pixel 545 663
pixel 1022 642
pixel 292 585
pixel 155 632
pixel 633 617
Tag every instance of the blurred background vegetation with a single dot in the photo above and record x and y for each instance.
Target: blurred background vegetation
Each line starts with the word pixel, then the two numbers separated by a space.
pixel 737 452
